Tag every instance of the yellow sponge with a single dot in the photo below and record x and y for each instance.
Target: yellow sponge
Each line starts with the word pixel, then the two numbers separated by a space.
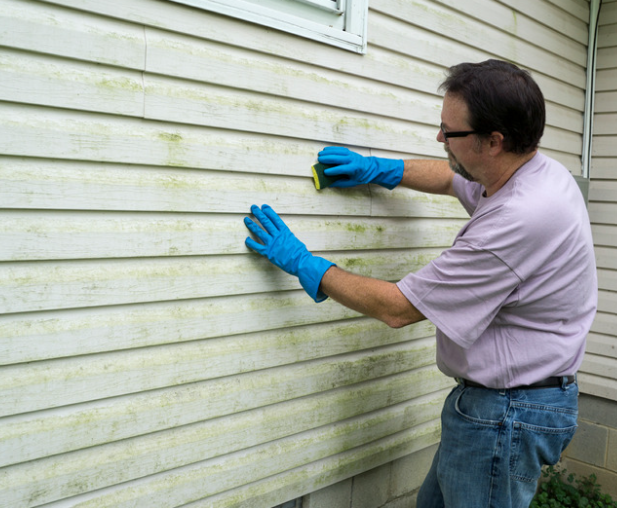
pixel 321 179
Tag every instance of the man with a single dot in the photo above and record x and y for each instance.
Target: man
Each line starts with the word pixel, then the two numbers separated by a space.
pixel 512 299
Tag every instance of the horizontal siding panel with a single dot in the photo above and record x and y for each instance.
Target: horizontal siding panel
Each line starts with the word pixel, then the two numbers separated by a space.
pixel 605 236
pixel 604 324
pixel 53 134
pixel 178 101
pixel 604 123
pixel 32 235
pixel 63 285
pixel 570 161
pixel 564 118
pixel 605 146
pixel 569 42
pixel 607 279
pixel 604 191
pixel 601 366
pixel 186 57
pixel 605 102
pixel 401 202
pixel 607 301
pixel 33 26
pixel 437 19
pixel 54 431
pixel 55 383
pixel 607 36
pixel 56 185
pixel 260 462
pixel 320 474
pixel 591 384
pixel 603 168
pixel 606 56
pixel 401 71
pixel 48 81
pixel 609 13
pixel 415 42
pixel 30 183
pixel 346 127
pixel 602 345
pixel 208 26
pixel 173 18
pixel 605 80
pixel 562 140
pixel 563 100
pixel 606 257
pixel 389 33
pixel 42 336
pixel 115 462
pixel 568 17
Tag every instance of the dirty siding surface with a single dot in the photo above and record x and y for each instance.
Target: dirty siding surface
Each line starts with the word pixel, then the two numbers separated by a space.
pixel 147 358
pixel 599 372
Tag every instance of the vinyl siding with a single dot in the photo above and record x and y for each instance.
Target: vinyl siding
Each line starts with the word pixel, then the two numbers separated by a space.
pixel 148 359
pixel 599 373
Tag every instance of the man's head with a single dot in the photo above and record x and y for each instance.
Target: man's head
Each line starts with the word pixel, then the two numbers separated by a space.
pixel 501 98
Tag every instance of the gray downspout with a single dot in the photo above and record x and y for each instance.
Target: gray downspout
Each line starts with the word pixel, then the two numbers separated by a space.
pixel 594 16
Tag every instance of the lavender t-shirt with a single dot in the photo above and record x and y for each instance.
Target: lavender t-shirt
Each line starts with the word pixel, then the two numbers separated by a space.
pixel 515 295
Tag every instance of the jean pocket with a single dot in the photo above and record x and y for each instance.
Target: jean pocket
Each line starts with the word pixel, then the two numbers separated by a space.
pixel 480 407
pixel 534 446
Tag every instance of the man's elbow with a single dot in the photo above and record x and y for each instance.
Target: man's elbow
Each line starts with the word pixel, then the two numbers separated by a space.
pixel 399 311
pixel 402 320
pixel 396 323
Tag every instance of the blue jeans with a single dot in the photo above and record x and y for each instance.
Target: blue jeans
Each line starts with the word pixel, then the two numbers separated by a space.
pixel 494 443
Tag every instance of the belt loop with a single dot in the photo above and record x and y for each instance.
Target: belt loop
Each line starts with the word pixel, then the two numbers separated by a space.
pixel 564 383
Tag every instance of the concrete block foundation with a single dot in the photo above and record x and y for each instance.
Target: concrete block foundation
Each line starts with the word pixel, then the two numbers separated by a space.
pixel 393 485
pixel 594 447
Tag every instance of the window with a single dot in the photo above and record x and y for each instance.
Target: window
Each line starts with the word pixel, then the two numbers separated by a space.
pixel 341 23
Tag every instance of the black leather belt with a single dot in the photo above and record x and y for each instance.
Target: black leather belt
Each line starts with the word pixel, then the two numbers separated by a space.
pixel 549 382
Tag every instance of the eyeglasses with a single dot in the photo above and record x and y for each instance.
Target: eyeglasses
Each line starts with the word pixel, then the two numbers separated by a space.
pixel 455 134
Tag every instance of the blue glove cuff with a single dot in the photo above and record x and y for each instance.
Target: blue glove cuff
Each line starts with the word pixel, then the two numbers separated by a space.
pixel 310 277
pixel 389 172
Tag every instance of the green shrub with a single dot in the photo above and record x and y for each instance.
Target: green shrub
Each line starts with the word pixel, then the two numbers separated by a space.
pixel 567 491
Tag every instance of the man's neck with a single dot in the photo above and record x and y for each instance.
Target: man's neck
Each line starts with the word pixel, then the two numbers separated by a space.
pixel 507 166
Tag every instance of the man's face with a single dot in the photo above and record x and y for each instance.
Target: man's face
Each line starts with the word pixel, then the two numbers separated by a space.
pixel 456 166
pixel 460 150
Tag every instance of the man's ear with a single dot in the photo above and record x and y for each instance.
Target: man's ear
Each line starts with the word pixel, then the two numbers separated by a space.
pixel 496 140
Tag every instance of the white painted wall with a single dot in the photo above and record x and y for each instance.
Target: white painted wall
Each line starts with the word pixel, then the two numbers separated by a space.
pixel 148 359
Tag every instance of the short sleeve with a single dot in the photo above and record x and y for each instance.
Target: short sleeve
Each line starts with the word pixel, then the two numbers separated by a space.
pixel 461 291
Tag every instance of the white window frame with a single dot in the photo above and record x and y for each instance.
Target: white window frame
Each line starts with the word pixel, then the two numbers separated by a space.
pixel 341 23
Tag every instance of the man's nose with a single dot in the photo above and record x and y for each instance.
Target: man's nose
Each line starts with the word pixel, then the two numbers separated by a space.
pixel 440 137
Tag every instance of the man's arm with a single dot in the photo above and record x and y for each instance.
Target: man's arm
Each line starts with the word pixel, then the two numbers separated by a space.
pixel 432 176
pixel 321 278
pixel 372 297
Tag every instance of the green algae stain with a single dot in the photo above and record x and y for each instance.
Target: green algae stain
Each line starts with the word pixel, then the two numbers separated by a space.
pixel 170 137
pixel 176 149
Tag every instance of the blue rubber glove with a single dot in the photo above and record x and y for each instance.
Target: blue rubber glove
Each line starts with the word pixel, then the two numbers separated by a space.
pixel 359 169
pixel 284 250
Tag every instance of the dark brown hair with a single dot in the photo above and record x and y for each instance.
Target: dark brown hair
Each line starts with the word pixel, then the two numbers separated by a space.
pixel 501 97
